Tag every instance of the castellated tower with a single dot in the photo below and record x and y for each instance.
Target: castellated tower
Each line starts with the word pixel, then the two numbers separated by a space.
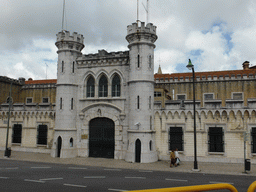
pixel 141 134
pixel 65 133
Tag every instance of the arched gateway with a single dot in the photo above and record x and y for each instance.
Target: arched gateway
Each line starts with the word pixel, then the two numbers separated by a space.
pixel 101 138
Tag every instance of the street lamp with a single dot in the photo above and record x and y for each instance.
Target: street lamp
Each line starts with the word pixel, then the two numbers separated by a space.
pixel 190 66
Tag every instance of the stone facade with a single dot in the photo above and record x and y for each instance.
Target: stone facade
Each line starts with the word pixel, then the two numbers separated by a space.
pixel 224 99
pixel 144 115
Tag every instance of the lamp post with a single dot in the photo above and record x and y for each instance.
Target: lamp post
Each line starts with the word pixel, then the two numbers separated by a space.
pixel 190 66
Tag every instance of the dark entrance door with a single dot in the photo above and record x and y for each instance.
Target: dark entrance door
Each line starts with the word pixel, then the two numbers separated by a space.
pixel 59 143
pixel 137 151
pixel 101 138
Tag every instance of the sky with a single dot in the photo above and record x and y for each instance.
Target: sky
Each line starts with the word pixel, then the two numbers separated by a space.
pixel 214 34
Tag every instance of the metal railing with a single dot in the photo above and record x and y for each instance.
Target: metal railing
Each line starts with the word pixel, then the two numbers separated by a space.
pixel 197 188
pixel 252 187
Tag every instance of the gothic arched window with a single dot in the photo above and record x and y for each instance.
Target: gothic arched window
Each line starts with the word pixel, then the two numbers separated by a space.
pixel 90 87
pixel 116 88
pixel 103 86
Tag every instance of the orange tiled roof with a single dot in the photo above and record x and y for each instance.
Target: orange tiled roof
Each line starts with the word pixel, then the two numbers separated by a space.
pixel 45 81
pixel 206 74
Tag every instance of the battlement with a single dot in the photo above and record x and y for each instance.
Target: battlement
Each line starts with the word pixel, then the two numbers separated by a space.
pixel 135 28
pixel 104 58
pixel 65 36
pixel 9 80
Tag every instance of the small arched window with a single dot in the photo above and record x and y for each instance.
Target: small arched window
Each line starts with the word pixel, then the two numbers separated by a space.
pixel 116 88
pixel 90 87
pixel 150 145
pixel 150 61
pixel 61 103
pixel 138 60
pixel 71 142
pixel 72 104
pixel 138 102
pixel 103 86
pixel 62 66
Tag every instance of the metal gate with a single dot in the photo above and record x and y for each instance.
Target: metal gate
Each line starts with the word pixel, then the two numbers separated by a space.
pixel 101 138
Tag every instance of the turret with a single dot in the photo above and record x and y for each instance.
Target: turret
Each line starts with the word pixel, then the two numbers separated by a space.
pixel 69 48
pixel 141 93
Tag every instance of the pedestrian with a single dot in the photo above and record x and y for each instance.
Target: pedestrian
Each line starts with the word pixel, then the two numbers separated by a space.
pixel 177 157
pixel 173 160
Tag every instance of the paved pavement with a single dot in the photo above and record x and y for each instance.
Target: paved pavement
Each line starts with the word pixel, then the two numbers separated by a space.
pixel 210 168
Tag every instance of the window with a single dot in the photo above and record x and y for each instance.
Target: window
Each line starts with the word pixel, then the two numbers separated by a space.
pixel 150 61
pixel 71 142
pixel 253 139
pixel 150 122
pixel 90 87
pixel 138 102
pixel 181 97
pixel 208 96
pixel 42 135
pixel 149 102
pixel 45 100
pixel 73 67
pixel 16 133
pixel 29 100
pixel 157 94
pixel 150 145
pixel 138 60
pixel 62 66
pixel 237 96
pixel 216 143
pixel 116 88
pixel 176 138
pixel 103 86
pixel 72 104
pixel 61 103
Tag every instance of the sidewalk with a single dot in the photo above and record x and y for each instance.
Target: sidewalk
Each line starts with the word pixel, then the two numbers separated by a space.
pixel 209 168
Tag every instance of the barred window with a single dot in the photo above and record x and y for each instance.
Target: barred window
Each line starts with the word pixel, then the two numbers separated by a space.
pixel 176 138
pixel 103 87
pixel 253 139
pixel 16 133
pixel 216 141
pixel 116 88
pixel 42 135
pixel 90 87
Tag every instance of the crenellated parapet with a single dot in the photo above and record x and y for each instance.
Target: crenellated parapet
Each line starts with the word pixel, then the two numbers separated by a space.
pixel 73 42
pixel 103 58
pixel 141 34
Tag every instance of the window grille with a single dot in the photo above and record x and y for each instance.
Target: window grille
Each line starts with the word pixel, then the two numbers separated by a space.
pixel 176 138
pixel 16 133
pixel 42 135
pixel 103 87
pixel 90 87
pixel 45 100
pixel 253 139
pixel 216 141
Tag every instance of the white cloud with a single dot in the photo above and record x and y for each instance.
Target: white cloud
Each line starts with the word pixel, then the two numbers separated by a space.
pixel 28 32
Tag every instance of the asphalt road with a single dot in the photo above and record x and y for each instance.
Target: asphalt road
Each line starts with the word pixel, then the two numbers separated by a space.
pixel 32 176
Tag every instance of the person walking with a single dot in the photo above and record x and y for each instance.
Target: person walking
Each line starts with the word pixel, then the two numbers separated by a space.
pixel 173 159
pixel 177 157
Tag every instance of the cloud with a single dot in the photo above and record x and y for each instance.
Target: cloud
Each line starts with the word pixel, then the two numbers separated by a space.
pixel 216 35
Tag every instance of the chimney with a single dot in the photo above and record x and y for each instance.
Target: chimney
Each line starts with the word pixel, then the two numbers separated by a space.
pixel 22 80
pixel 246 65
